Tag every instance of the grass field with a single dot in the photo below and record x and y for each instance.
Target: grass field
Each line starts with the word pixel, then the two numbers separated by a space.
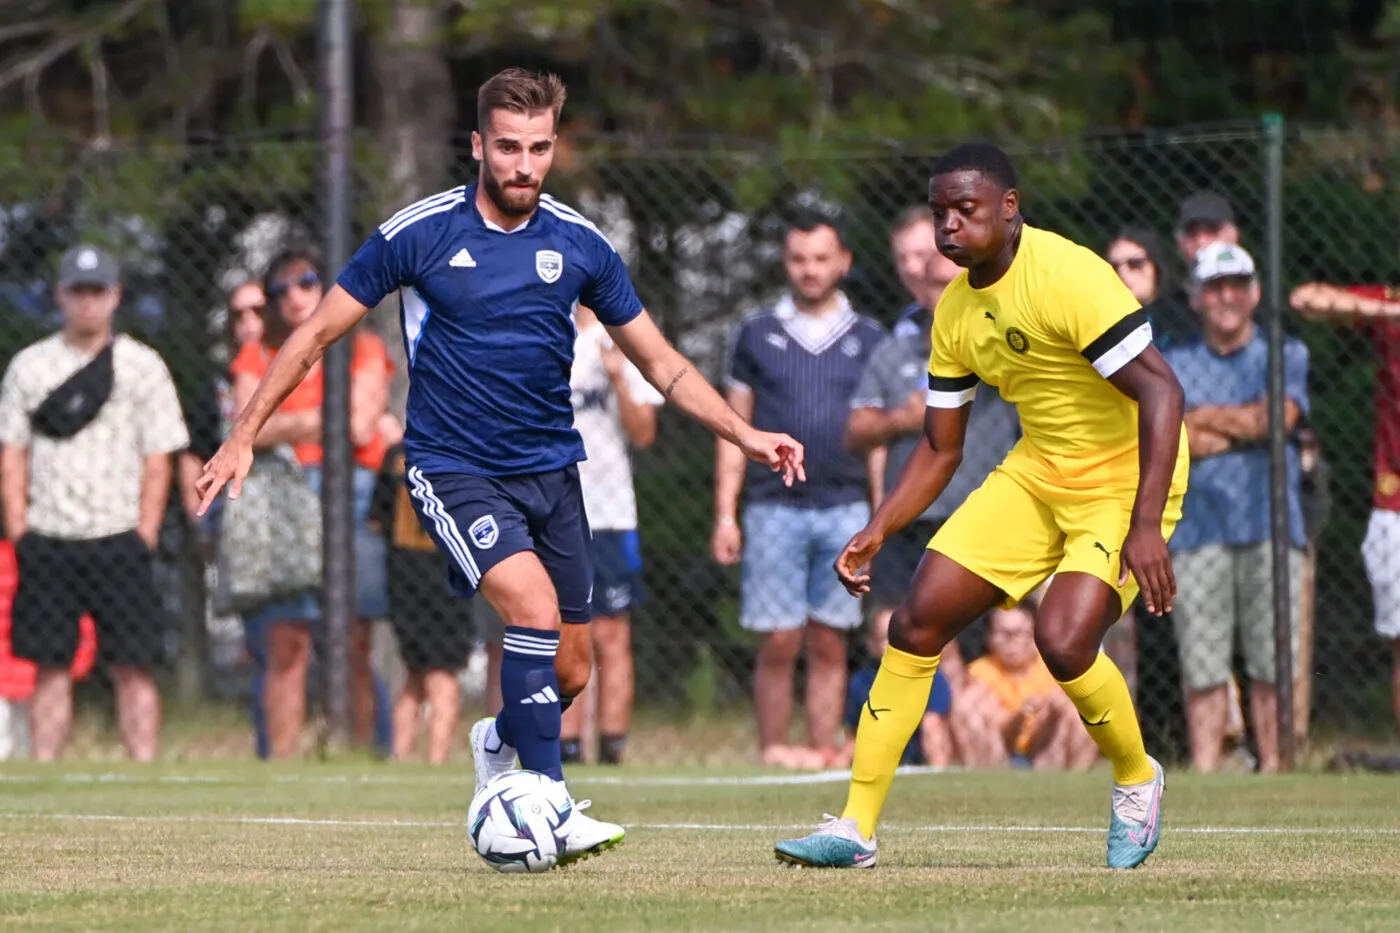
pixel 360 846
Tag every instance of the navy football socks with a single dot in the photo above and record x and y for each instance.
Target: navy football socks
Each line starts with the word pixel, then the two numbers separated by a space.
pixel 529 719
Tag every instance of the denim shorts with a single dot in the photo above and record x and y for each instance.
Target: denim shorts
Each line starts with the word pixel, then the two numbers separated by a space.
pixel 371 566
pixel 788 576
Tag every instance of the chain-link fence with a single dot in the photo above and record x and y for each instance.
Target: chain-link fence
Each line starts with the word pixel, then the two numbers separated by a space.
pixel 702 228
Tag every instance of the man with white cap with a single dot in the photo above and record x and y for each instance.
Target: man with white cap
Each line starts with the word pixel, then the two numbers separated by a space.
pixel 89 420
pixel 1221 550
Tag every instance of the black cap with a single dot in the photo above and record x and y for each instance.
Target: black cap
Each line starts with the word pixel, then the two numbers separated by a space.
pixel 88 265
pixel 1205 207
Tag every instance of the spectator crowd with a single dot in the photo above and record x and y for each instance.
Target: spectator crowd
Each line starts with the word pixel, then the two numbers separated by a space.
pixel 95 441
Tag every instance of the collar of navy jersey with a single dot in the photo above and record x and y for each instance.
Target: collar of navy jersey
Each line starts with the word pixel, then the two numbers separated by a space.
pixel 844 318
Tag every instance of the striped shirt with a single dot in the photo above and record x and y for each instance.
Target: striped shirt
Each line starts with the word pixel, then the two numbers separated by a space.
pixel 802 372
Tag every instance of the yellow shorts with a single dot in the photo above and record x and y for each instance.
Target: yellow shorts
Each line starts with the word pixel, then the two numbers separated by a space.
pixel 1016 530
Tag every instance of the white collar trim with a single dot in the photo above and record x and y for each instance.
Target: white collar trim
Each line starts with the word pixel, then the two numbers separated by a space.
pixel 842 320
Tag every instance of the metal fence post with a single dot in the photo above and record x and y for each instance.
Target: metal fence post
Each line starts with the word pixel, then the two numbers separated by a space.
pixel 1278 439
pixel 336 101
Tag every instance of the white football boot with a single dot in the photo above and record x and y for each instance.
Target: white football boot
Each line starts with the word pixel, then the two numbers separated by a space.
pixel 492 756
pixel 586 837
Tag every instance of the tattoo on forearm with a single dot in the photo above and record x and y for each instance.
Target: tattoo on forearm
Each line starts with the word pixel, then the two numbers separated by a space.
pixel 672 387
pixel 306 365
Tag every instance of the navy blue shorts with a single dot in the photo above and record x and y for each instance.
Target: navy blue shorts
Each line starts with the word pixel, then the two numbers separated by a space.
pixel 479 521
pixel 617 576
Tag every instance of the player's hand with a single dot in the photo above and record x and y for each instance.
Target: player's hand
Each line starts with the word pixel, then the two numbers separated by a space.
pixel 726 542
pixel 779 451
pixel 230 466
pixel 853 563
pixel 1146 557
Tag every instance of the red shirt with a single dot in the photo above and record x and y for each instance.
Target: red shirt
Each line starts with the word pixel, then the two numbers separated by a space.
pixel 368 357
pixel 1385 334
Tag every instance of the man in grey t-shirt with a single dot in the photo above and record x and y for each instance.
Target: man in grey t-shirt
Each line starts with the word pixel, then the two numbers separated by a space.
pixel 887 409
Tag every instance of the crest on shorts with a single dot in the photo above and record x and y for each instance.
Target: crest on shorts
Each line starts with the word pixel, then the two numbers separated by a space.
pixel 485 532
pixel 1017 340
pixel 549 264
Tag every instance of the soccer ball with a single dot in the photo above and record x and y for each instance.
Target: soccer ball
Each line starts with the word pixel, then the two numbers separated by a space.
pixel 516 821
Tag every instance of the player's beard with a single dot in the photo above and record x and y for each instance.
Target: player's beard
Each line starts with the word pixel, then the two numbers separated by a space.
pixel 514 201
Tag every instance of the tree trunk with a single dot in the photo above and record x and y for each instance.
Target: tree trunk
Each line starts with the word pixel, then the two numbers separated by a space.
pixel 416 118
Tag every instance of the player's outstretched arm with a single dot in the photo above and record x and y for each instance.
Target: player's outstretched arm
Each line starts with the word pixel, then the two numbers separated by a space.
pixel 1319 301
pixel 333 318
pixel 683 386
pixel 923 479
pixel 1149 380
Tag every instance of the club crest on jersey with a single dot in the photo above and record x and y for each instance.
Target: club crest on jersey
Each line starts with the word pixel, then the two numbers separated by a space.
pixel 485 532
pixel 549 264
pixel 1017 340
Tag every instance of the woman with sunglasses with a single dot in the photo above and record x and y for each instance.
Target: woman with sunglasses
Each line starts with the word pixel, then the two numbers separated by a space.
pixel 1136 254
pixel 293 284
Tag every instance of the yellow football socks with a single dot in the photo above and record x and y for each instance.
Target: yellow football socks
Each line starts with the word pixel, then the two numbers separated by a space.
pixel 1106 708
pixel 894 710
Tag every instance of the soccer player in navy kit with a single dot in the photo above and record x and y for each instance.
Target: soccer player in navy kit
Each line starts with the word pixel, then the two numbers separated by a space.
pixel 489 275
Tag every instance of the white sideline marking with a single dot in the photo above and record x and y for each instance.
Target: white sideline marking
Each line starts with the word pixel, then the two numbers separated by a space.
pixel 757 780
pixel 703 827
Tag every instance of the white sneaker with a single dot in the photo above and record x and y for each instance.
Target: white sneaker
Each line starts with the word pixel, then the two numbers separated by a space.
pixel 587 837
pixel 490 762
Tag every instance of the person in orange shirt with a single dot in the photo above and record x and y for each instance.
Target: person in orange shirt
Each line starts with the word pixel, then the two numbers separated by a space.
pixel 294 286
pixel 1014 711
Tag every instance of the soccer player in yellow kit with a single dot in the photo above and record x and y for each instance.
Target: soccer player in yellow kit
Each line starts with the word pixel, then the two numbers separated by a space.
pixel 1090 494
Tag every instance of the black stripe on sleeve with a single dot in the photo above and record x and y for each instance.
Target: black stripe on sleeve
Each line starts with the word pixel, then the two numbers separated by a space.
pixel 952 383
pixel 1115 335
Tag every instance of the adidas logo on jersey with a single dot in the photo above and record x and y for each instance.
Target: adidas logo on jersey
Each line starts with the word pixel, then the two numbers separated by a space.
pixel 547 695
pixel 463 260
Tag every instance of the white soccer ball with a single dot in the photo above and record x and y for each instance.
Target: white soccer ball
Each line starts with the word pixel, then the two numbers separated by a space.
pixel 515 822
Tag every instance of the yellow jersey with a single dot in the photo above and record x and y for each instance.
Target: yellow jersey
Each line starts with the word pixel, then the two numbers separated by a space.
pixel 1048 335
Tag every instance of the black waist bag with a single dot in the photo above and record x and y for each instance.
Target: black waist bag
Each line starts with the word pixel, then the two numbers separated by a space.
pixel 72 406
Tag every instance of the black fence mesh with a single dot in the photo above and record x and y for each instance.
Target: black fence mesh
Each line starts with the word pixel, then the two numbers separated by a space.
pixel 701 226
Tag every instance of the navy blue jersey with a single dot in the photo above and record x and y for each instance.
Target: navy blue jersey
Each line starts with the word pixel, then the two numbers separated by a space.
pixel 488 324
pixel 802 375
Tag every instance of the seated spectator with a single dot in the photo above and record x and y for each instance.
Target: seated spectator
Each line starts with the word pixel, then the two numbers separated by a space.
pixel 932 743
pixel 1221 550
pixel 433 627
pixel 1011 711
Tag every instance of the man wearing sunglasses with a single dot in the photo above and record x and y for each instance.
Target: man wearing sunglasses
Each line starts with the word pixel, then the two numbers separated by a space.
pixel 489 275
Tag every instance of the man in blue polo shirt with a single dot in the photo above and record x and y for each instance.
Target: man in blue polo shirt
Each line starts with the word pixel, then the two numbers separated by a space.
pixel 1221 551
pixel 793 368
pixel 489 275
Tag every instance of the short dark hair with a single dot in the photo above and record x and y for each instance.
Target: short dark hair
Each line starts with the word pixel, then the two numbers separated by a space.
pixel 911 216
pixel 519 91
pixel 807 220
pixel 985 158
